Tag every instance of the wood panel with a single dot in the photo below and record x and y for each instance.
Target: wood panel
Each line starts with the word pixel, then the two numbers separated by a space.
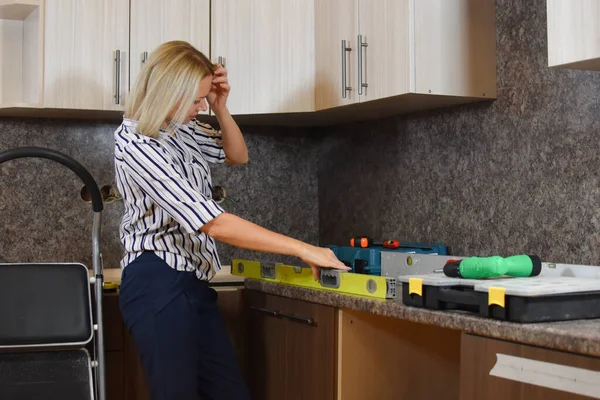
pixel 335 20
pixel 574 33
pixel 385 358
pixel 115 375
pixel 114 327
pixel 385 26
pixel 268 47
pixel 267 347
pixel 479 355
pixel 311 352
pixel 21 49
pixel 154 22
pixel 81 40
pixel 291 348
pixel 455 47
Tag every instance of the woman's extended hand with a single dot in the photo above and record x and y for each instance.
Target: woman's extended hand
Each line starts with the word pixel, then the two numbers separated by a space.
pixel 321 257
pixel 217 97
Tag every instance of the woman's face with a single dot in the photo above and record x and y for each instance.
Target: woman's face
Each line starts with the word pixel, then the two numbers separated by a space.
pixel 199 102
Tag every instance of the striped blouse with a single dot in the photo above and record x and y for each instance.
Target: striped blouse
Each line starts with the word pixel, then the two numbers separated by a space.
pixel 167 194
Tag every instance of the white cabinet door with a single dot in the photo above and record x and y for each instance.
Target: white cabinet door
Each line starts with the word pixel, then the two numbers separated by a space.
pixel 267 47
pixel 383 61
pixel 455 47
pixel 336 30
pixel 154 22
pixel 400 47
pixel 574 33
pixel 86 54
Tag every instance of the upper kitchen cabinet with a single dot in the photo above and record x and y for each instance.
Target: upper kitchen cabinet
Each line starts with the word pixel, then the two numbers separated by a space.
pixel 574 34
pixel 154 22
pixel 21 49
pixel 86 54
pixel 267 47
pixel 424 53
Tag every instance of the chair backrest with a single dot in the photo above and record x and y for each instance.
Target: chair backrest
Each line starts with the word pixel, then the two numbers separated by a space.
pixel 45 305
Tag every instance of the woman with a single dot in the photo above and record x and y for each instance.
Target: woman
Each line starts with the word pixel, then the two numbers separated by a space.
pixel 170 225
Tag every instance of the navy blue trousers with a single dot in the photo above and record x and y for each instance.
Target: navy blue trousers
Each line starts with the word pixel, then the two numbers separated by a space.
pixel 179 333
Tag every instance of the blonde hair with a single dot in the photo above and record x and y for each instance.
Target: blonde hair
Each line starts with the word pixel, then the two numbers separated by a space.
pixel 168 81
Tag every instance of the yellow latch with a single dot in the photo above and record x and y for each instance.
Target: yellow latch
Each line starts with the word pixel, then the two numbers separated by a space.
pixel 496 296
pixel 415 285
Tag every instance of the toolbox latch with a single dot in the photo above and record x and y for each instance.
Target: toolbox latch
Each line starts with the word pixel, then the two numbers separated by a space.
pixel 496 296
pixel 415 285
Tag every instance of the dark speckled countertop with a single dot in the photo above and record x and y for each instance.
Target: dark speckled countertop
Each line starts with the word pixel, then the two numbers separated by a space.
pixel 581 336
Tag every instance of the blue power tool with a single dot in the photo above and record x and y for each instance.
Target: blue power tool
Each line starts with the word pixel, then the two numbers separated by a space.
pixel 367 260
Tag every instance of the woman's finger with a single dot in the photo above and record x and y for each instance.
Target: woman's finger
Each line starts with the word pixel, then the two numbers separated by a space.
pixel 315 272
pixel 220 70
pixel 219 79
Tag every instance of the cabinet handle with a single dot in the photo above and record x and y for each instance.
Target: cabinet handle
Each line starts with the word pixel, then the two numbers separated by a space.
pixel 360 46
pixel 291 317
pixel 265 311
pixel 221 60
pixel 144 57
pixel 304 320
pixel 345 86
pixel 117 77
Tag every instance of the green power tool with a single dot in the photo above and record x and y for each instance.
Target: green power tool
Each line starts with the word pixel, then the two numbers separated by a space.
pixel 493 267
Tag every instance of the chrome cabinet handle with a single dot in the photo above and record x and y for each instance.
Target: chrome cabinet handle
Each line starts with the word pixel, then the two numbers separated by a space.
pixel 345 86
pixel 117 95
pixel 361 45
pixel 144 57
pixel 221 60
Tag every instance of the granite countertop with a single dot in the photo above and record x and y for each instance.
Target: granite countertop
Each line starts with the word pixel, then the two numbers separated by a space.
pixel 581 336
pixel 222 277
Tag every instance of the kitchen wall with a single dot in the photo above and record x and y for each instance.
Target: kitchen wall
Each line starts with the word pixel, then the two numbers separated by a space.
pixel 520 175
pixel 44 219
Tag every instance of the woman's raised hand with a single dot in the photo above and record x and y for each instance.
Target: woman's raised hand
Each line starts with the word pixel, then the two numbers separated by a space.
pixel 217 97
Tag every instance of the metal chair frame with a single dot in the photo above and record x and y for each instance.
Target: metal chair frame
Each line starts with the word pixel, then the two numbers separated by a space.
pixel 98 278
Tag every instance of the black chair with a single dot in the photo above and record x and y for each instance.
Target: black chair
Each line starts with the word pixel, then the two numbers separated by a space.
pixel 48 315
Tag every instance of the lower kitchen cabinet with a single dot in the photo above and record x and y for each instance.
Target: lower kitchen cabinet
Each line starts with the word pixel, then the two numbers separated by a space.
pixel 386 358
pixel 124 375
pixel 291 348
pixel 493 369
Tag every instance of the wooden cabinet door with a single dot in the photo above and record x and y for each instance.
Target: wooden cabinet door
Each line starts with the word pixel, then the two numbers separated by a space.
pixel 336 21
pixel 267 47
pixel 385 358
pixel 291 348
pixel 154 22
pixel 455 47
pixel 267 347
pixel 386 62
pixel 497 370
pixel 86 54
pixel 573 32
pixel 311 351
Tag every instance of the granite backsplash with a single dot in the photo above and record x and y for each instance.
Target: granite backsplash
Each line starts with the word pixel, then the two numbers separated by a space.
pixel 44 219
pixel 519 175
